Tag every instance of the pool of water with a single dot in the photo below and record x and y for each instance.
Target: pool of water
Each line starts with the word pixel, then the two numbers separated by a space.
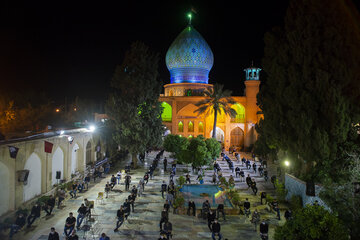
pixel 199 193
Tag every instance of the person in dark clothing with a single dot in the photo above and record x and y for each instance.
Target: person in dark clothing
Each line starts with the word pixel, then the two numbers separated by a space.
pixel 275 207
pixel 264 228
pixel 53 235
pixel 168 229
pixel 165 164
pixel 237 172
pixel 188 180
pixel 73 236
pixel 163 189
pixel 254 167
pixel 69 224
pixel 263 196
pixel 35 213
pixel 211 217
pixel 146 178
pixel 134 190
pixel 126 207
pixel 192 206
pixel 247 207
pixel 19 223
pixel 50 204
pixel 167 205
pixel 205 209
pixel 120 215
pixel 248 181
pixel 112 182
pixel 288 215
pixel 127 182
pixel 215 229
pixel 104 237
pixel 131 199
pixel 164 218
pixel 220 209
pixel 73 191
pixel 253 186
pixel 107 189
pixel 81 215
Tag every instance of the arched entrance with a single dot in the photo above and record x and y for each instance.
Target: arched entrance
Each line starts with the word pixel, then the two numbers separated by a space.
pixel 5 190
pixel 88 153
pixel 237 138
pixel 219 134
pixel 33 186
pixel 74 158
pixel 57 165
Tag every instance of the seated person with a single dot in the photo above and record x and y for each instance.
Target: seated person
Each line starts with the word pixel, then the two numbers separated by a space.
pixel 19 223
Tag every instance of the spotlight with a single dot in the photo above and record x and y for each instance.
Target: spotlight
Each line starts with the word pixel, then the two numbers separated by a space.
pixel 92 128
pixel 70 139
pixel 62 132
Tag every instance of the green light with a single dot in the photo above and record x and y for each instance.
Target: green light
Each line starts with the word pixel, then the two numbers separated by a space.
pixel 189 16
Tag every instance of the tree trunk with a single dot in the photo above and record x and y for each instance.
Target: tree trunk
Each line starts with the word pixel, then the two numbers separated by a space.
pixel 214 127
pixel 134 159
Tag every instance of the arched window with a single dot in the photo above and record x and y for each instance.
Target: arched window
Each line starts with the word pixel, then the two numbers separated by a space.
pixel 190 136
pixel 201 127
pixel 240 113
pixel 166 115
pixel 191 126
pixel 180 127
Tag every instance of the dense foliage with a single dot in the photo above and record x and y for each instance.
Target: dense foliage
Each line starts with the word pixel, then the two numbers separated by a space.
pixel 196 150
pixel 311 94
pixel 133 103
pixel 312 223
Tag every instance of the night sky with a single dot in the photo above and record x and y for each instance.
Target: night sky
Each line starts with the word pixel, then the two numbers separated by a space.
pixel 72 50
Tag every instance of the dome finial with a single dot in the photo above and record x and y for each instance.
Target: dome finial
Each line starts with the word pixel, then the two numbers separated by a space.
pixel 189 16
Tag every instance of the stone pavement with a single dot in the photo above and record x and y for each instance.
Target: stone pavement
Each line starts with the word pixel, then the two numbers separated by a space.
pixel 144 223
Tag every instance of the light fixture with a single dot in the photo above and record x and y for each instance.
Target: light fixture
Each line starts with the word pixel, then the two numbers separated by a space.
pixel 287 163
pixel 70 139
pixel 92 128
pixel 62 132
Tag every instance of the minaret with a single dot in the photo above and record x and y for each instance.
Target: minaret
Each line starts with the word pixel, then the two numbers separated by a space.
pixel 252 83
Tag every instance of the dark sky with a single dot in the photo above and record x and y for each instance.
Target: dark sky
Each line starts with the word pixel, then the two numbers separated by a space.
pixel 69 49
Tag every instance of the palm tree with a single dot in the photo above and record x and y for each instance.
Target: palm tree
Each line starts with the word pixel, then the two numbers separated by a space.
pixel 217 100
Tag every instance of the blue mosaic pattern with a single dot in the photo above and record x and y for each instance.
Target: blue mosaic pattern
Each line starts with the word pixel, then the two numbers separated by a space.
pixel 189 58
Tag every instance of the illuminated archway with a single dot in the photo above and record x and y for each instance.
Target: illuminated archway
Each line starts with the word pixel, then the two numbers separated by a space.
pixel 166 115
pixel 237 138
pixel 240 113
pixel 201 127
pixel 219 134
pixel 191 126
pixel 180 127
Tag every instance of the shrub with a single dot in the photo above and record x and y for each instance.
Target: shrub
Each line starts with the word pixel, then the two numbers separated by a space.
pixel 281 192
pixel 181 181
pixel 42 200
pixel 296 202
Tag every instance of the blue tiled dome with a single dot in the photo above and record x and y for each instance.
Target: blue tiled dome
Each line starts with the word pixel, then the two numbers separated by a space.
pixel 189 58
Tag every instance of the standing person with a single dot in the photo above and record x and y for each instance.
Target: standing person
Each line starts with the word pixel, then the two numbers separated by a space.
pixel 248 181
pixel 101 172
pixel 61 196
pixel 163 189
pixel 87 181
pixel 237 155
pixel 215 229
pixel 50 204
pixel 112 181
pixel 127 209
pixel 35 213
pixel 275 206
pixel 53 235
pixel 205 209
pixel 120 215
pixel 165 164
pixel 191 206
pixel 248 164
pixel 164 218
pixel 127 182
pixel 81 215
pixel 170 198
pixel 237 171
pixel 242 176
pixel 74 189
pixel 213 178
pixel 19 223
pixel 264 229
pixel 247 207
pixel 211 217
pixel 107 189
pixel 188 180
pixel 146 178
pixel 253 186
pixel 263 196
pixel 69 224
pixel 104 237
pixel 118 176
pixel 220 209
pixel 134 190
pixel 142 183
pixel 168 229
pixel 288 214
pixel 254 167
pixel 131 199
pixel 255 218
pixel 140 188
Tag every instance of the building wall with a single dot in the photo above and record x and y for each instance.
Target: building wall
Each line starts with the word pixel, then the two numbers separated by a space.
pixel 42 166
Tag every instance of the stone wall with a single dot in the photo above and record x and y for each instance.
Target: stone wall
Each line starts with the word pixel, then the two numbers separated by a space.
pixel 295 186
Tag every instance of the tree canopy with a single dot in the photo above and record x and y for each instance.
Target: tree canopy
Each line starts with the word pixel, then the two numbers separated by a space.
pixel 133 103
pixel 311 93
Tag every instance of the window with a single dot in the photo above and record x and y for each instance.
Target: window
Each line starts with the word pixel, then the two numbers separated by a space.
pixel 166 115
pixel 191 126
pixel 240 113
pixel 180 127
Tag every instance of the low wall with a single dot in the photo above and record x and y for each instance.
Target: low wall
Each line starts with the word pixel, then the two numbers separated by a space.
pixel 295 186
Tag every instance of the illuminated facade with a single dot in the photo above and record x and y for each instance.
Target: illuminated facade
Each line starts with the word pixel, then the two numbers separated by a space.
pixel 189 60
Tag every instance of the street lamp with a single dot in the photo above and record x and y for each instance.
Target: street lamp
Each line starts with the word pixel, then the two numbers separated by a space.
pixel 287 163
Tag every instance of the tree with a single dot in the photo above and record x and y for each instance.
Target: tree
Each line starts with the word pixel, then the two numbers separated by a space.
pixel 196 152
pixel 217 101
pixel 342 197
pixel 175 144
pixel 133 103
pixel 311 94
pixel 213 147
pixel 312 223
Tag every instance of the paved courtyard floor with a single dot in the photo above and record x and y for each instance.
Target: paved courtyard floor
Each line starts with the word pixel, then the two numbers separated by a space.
pixel 144 222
